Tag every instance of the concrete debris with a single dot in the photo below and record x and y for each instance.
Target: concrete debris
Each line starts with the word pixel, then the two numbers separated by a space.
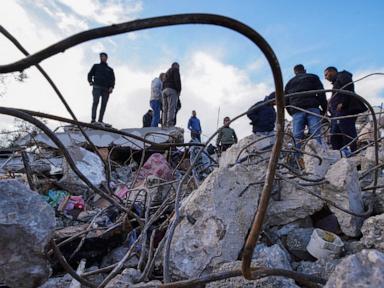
pixel 248 146
pixel 343 188
pixel 271 257
pixel 73 136
pixel 294 204
pixel 297 242
pixel 218 203
pixel 26 226
pixel 312 165
pixel 89 164
pixel 373 232
pixel 124 280
pixel 58 282
pixel 222 209
pixel 320 268
pixel 364 269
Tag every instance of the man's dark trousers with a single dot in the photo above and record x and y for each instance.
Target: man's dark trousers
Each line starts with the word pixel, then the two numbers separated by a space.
pixel 98 92
pixel 195 135
pixel 347 127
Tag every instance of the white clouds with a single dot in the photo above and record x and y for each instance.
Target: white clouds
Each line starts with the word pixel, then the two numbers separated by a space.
pixel 371 88
pixel 105 12
pixel 210 84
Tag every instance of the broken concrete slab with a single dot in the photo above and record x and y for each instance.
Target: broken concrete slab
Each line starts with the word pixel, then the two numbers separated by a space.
pixel 26 226
pixel 373 232
pixel 89 164
pixel 312 165
pixel 215 221
pixel 322 268
pixel 295 204
pixel 236 151
pixel 58 282
pixel 104 139
pixel 343 188
pixel 364 269
pixel 271 257
pixel 128 279
pixel 124 279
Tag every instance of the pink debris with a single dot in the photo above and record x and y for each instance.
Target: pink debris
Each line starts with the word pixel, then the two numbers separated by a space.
pixel 158 166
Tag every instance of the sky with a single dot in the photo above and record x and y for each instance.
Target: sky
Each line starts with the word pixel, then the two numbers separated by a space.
pixel 222 72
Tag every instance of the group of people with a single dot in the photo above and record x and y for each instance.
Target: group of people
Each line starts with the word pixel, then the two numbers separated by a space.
pixel 165 99
pixel 307 109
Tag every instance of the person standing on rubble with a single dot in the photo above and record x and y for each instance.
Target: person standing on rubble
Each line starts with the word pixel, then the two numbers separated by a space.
pixel 170 95
pixel 226 137
pixel 195 127
pixel 343 131
pixel 102 78
pixel 147 118
pixel 303 81
pixel 155 102
pixel 263 118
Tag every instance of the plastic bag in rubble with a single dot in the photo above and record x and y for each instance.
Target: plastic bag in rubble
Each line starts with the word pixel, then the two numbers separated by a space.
pixel 203 166
pixel 89 164
pixel 54 197
pixel 156 165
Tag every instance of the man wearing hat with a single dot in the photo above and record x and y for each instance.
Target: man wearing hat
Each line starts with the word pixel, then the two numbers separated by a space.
pixel 102 78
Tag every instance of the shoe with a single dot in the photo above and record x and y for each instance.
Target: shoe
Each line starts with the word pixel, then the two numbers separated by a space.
pixel 346 152
pixel 93 121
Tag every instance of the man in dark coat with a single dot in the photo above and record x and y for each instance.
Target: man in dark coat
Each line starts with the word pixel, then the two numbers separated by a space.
pixel 304 81
pixel 263 118
pixel 102 78
pixel 170 95
pixel 147 118
pixel 343 131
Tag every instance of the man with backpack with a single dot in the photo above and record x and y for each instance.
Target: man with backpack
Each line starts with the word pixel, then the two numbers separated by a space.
pixel 343 131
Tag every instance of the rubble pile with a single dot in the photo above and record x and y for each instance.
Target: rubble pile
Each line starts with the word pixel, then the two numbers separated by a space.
pixel 323 220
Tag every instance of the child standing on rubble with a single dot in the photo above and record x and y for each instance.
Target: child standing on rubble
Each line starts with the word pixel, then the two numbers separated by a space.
pixel 226 137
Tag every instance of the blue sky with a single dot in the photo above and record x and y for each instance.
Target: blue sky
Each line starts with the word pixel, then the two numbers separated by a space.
pixel 219 67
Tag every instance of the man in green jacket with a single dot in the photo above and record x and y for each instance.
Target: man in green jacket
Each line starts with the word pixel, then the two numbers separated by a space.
pixel 227 136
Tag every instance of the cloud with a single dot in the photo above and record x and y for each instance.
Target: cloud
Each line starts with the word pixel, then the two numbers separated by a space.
pixel 371 88
pixel 105 12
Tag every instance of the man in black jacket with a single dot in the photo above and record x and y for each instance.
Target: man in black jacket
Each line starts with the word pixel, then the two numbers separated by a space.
pixel 343 131
pixel 264 117
pixel 304 81
pixel 147 118
pixel 170 95
pixel 102 78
